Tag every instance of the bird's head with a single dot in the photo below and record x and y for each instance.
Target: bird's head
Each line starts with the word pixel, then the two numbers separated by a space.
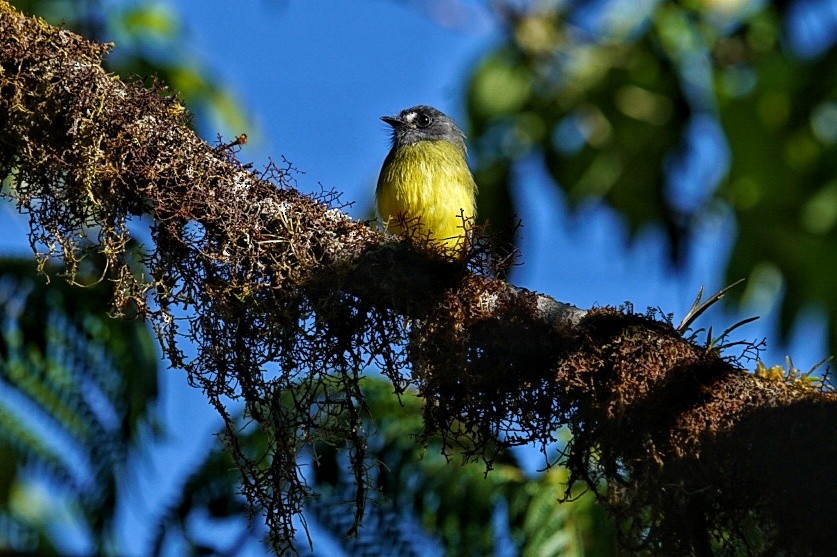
pixel 423 123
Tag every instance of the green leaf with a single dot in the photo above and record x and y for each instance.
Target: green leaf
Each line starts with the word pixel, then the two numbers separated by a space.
pixel 455 502
pixel 782 181
pixel 154 20
pixel 77 386
pixel 605 116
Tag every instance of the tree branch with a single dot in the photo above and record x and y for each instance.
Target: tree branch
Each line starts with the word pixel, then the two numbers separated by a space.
pixel 288 300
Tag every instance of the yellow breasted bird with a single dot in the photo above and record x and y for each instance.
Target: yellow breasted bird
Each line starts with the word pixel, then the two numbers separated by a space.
pixel 425 189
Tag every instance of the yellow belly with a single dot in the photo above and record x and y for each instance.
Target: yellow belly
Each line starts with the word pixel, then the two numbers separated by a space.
pixel 426 191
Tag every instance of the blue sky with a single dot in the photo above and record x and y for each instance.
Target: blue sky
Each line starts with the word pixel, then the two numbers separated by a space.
pixel 314 76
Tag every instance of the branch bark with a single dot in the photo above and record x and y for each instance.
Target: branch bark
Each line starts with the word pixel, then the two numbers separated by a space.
pixel 288 300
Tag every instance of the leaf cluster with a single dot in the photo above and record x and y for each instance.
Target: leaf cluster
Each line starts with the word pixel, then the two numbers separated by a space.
pixel 674 114
pixel 151 46
pixel 433 488
pixel 76 395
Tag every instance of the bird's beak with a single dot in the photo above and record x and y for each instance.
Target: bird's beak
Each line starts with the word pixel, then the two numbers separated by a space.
pixel 392 121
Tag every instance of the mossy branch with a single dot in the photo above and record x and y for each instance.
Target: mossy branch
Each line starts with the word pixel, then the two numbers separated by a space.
pixel 288 301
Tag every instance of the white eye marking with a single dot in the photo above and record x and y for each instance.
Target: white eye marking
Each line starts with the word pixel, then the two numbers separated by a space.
pixel 410 116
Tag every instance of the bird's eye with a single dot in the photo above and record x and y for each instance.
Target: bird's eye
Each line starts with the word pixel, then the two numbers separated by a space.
pixel 423 120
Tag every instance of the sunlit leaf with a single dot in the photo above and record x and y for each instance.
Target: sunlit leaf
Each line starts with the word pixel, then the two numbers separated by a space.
pixel 154 20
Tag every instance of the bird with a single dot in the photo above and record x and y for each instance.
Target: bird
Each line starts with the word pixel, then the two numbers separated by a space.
pixel 425 190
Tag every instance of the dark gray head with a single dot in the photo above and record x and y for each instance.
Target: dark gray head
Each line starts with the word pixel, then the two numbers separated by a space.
pixel 422 123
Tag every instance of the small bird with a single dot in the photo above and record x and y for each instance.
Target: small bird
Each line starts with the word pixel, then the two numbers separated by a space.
pixel 425 189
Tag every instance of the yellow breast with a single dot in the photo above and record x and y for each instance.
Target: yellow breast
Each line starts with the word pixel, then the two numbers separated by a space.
pixel 426 190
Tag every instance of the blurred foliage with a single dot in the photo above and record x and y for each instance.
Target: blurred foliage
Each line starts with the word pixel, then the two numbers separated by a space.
pixel 782 183
pixel 610 97
pixel 423 502
pixel 76 388
pixel 78 394
pixel 208 497
pixel 150 44
pixel 462 507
